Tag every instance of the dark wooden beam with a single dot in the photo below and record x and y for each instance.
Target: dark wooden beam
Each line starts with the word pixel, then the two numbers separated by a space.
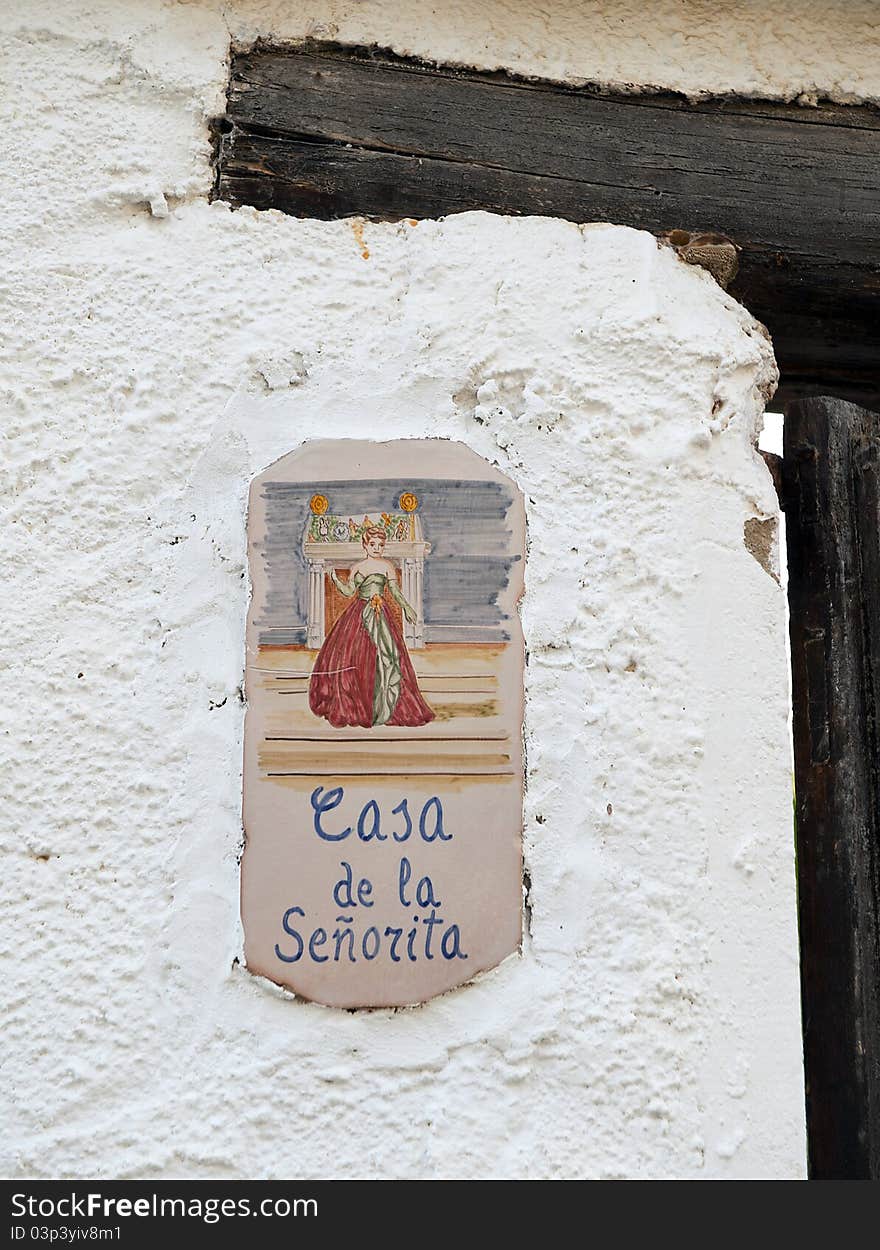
pixel 831 484
pixel 329 132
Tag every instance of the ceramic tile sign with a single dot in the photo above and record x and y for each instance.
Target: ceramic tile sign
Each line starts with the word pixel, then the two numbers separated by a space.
pixel 383 771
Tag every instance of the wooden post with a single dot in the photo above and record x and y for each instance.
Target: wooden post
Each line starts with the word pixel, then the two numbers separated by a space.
pixel 832 500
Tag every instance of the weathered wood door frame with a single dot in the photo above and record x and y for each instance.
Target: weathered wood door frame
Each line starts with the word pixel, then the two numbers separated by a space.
pixel 831 484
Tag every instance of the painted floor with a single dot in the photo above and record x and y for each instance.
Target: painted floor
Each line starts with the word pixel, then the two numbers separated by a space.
pixel 460 682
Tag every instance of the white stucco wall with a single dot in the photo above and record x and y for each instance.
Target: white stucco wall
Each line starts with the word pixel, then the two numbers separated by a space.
pixel 158 351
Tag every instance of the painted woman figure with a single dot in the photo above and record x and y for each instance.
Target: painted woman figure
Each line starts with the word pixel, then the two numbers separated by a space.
pixel 363 674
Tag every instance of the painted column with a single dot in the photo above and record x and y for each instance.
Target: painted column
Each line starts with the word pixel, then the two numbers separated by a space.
pixel 315 631
pixel 414 635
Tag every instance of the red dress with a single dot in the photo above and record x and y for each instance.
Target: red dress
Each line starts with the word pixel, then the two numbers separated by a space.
pixel 363 674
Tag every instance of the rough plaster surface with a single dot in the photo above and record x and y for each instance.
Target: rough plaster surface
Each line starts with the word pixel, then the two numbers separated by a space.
pixel 817 49
pixel 158 351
